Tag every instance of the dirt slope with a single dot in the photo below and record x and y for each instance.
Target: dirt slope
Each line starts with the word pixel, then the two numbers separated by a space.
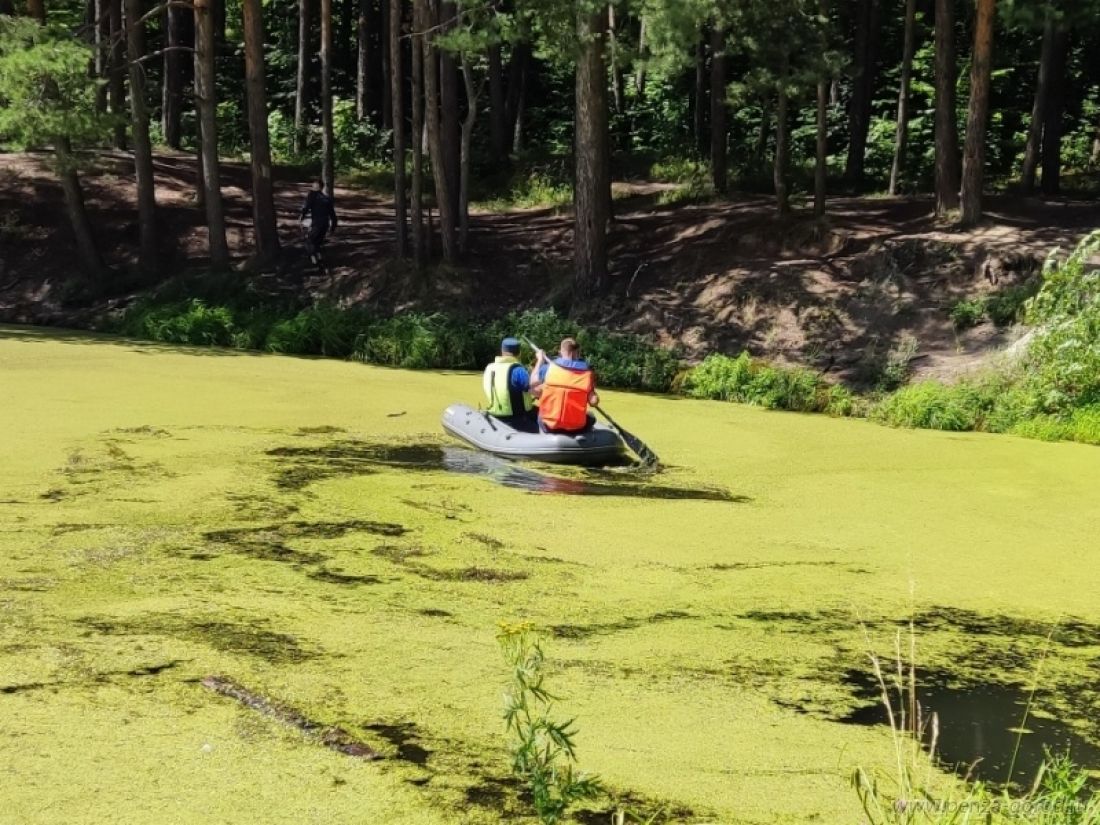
pixel 880 276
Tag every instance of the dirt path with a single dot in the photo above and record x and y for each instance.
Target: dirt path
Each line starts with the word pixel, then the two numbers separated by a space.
pixel 880 277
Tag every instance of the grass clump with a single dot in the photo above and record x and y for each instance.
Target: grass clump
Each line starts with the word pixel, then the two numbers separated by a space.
pixel 749 381
pixel 1004 308
pixel 930 405
pixel 543 752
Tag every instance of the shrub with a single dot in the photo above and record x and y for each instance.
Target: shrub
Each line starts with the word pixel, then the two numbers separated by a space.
pixel 742 379
pixel 968 313
pixel 189 322
pixel 933 406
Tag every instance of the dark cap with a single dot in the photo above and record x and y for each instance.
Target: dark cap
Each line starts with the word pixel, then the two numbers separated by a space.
pixel 509 345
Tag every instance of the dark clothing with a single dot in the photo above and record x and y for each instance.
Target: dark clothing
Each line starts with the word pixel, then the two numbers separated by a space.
pixel 321 211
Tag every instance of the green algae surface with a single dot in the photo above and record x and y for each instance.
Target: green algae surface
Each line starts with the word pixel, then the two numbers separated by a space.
pixel 171 516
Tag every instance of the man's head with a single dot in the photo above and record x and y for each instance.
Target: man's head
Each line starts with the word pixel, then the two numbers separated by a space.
pixel 509 346
pixel 319 185
pixel 569 349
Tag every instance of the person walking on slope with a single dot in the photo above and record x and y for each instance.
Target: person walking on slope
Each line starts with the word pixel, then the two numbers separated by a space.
pixel 322 217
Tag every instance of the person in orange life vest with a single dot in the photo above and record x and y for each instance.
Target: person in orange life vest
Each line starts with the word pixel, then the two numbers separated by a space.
pixel 564 387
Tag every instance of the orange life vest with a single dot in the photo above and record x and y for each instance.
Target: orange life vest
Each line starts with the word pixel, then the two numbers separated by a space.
pixel 563 404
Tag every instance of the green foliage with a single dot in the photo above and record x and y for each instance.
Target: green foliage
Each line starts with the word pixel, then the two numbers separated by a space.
pixel 1004 307
pixel 1064 358
pixel 933 406
pixel 45 89
pixel 749 381
pixel 186 322
pixel 968 312
pixel 543 751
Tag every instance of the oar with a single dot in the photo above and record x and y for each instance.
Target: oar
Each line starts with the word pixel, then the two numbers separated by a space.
pixel 636 445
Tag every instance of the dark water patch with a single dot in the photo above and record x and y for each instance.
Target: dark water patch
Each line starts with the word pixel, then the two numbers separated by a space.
pixel 78 527
pixel 449 510
pixel 981 726
pixel 640 809
pixel 405 738
pixel 300 466
pixel 53 494
pixel 202 556
pixel 399 554
pixel 435 613
pixel 760 565
pixel 252 639
pixel 27 687
pixel 585 631
pixel 252 507
pixel 154 670
pixel 333 577
pixel 29 584
pixel 102 677
pixel 268 543
pixel 486 575
pixel 1068 632
pixel 486 540
pixel 146 430
pixel 495 793
pixel 321 430
pixel 332 737
pixel 811 622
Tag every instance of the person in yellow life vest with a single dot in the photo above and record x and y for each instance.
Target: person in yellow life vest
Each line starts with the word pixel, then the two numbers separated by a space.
pixel 507 384
pixel 564 387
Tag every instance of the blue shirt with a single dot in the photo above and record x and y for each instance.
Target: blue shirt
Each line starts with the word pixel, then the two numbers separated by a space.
pixel 568 363
pixel 519 379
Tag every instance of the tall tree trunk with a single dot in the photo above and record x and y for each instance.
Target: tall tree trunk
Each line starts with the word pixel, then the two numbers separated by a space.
pixel 37 10
pixel 200 174
pixel 417 99
pixel 116 83
pixel 643 53
pixel 947 127
pixel 498 114
pixel 973 171
pixel 863 86
pixel 387 79
pixel 362 62
pixel 592 187
pixel 89 259
pixel 518 70
pixel 263 196
pixel 102 51
pixel 468 123
pixel 206 101
pixel 397 117
pixel 443 196
pixel 782 141
pixel 822 158
pixel 450 125
pixel 762 136
pixel 902 137
pixel 301 83
pixel 143 148
pixel 618 84
pixel 719 110
pixel 700 105
pixel 172 85
pixel 1033 150
pixel 1052 115
pixel 328 172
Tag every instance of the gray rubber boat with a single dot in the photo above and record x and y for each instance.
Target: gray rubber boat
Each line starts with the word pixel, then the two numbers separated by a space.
pixel 598 445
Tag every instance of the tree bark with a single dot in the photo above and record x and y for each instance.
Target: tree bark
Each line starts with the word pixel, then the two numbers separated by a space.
pixel 102 51
pixel 518 70
pixel 37 10
pixel 1052 115
pixel 1033 149
pixel 387 79
pixel 719 111
pixel 143 148
pixel 782 141
pixel 902 137
pixel 207 104
pixel 448 104
pixel 116 80
pixel 90 261
pixel 443 195
pixel 397 116
pixel 699 120
pixel 947 128
pixel 473 93
pixel 417 99
pixel 174 77
pixel 362 62
pixel 973 171
pixel 640 73
pixel 498 115
pixel 301 84
pixel 200 185
pixel 863 85
pixel 593 181
pixel 618 84
pixel 328 172
pixel 263 195
pixel 820 168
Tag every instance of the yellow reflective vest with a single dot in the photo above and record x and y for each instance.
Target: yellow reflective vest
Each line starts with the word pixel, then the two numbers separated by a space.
pixel 503 400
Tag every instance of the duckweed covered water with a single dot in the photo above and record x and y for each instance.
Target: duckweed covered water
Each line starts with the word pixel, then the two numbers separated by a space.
pixel 292 526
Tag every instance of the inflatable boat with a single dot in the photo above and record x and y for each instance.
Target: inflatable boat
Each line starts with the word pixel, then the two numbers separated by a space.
pixel 598 445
